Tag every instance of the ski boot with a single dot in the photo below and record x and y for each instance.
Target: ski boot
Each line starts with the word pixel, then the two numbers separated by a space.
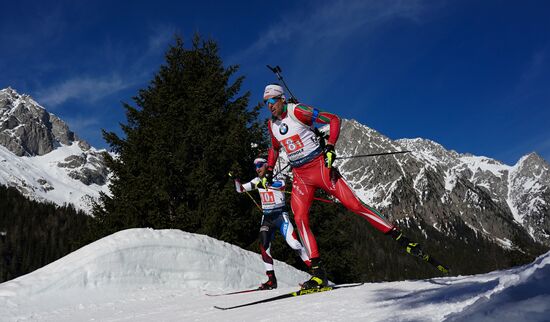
pixel 415 249
pixel 318 276
pixel 410 247
pixel 271 282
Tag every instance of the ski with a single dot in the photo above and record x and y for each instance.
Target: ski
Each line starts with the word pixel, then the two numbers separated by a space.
pixel 291 294
pixel 442 268
pixel 238 292
pixel 427 258
pixel 415 250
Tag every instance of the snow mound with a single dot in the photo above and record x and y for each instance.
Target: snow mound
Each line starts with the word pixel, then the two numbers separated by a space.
pixel 162 275
pixel 144 257
pixel 522 294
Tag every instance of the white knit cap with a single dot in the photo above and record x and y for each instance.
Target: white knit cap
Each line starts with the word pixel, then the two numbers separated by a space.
pixel 259 160
pixel 273 90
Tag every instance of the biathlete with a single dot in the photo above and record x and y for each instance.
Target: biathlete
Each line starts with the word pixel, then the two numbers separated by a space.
pixel 275 217
pixel 291 127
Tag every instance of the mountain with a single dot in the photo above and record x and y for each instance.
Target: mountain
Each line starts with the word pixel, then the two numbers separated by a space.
pixel 164 275
pixel 509 205
pixel 43 159
pixel 431 188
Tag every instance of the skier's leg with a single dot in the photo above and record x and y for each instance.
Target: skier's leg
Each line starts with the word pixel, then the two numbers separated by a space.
pixel 339 188
pixel 266 236
pixel 300 202
pixel 265 245
pixel 302 197
pixel 288 232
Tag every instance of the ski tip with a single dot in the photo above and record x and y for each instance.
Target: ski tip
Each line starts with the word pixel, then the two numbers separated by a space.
pixel 336 286
pixel 220 308
pixel 443 269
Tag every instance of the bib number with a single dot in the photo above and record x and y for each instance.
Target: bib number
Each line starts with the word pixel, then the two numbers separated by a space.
pixel 268 197
pixel 293 143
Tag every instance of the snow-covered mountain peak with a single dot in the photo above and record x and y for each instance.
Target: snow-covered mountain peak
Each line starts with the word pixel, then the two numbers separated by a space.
pixel 441 185
pixel 535 164
pixel 429 150
pixel 42 158
pixel 11 99
pixel 27 129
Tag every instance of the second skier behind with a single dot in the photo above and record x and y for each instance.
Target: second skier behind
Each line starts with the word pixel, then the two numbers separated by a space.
pixel 275 217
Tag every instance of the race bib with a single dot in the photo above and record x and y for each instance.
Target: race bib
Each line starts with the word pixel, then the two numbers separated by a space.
pixel 268 198
pixel 293 143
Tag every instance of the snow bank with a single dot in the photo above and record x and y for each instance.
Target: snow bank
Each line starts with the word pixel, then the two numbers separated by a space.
pixel 144 257
pixel 522 294
pixel 148 275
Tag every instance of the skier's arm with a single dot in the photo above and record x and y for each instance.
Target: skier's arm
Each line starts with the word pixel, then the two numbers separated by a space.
pixel 273 153
pixel 247 186
pixel 308 115
pixel 278 185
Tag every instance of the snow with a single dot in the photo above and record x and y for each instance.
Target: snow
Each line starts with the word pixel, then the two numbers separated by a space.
pixel 420 183
pixel 163 275
pixel 504 242
pixel 480 163
pixel 26 171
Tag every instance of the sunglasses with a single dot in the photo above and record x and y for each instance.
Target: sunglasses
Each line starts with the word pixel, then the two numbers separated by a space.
pixel 259 164
pixel 272 100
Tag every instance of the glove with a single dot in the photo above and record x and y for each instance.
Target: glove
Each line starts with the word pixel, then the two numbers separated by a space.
pixel 267 180
pixel 239 186
pixel 330 155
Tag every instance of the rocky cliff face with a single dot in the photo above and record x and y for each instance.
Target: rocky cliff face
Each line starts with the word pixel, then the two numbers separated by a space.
pixel 27 129
pixel 506 204
pixel 41 150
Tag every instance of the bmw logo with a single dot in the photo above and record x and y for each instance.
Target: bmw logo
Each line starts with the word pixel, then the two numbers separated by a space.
pixel 283 129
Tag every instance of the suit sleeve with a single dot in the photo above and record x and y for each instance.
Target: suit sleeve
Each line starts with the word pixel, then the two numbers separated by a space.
pixel 249 185
pixel 273 153
pixel 308 115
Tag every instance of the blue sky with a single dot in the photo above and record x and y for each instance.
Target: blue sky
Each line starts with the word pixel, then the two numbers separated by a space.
pixel 473 76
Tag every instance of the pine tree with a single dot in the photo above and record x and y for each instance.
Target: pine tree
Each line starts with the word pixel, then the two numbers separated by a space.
pixel 33 234
pixel 188 129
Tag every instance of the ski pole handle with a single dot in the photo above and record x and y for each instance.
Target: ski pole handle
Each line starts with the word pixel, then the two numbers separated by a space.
pixel 254 200
pixel 277 71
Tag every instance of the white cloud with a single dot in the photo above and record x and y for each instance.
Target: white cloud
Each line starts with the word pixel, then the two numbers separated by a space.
pixel 94 88
pixel 160 37
pixel 81 88
pixel 328 23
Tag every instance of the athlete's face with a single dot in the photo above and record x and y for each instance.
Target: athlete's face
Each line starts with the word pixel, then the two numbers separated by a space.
pixel 275 106
pixel 261 170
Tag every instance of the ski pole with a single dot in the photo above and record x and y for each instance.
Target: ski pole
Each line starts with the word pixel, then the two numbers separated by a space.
pixel 315 198
pixel 277 71
pixel 353 156
pixel 371 155
pixel 254 200
pixel 279 172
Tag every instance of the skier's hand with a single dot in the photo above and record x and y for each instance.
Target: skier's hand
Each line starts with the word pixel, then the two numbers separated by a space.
pixel 267 180
pixel 330 155
pixel 238 186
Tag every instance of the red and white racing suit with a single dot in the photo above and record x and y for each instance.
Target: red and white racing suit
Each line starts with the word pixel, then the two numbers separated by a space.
pixel 294 133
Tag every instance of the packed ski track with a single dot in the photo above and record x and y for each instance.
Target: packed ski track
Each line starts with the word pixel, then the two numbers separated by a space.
pixel 164 275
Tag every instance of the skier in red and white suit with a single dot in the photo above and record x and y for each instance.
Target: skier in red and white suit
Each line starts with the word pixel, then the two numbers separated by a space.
pixel 291 128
